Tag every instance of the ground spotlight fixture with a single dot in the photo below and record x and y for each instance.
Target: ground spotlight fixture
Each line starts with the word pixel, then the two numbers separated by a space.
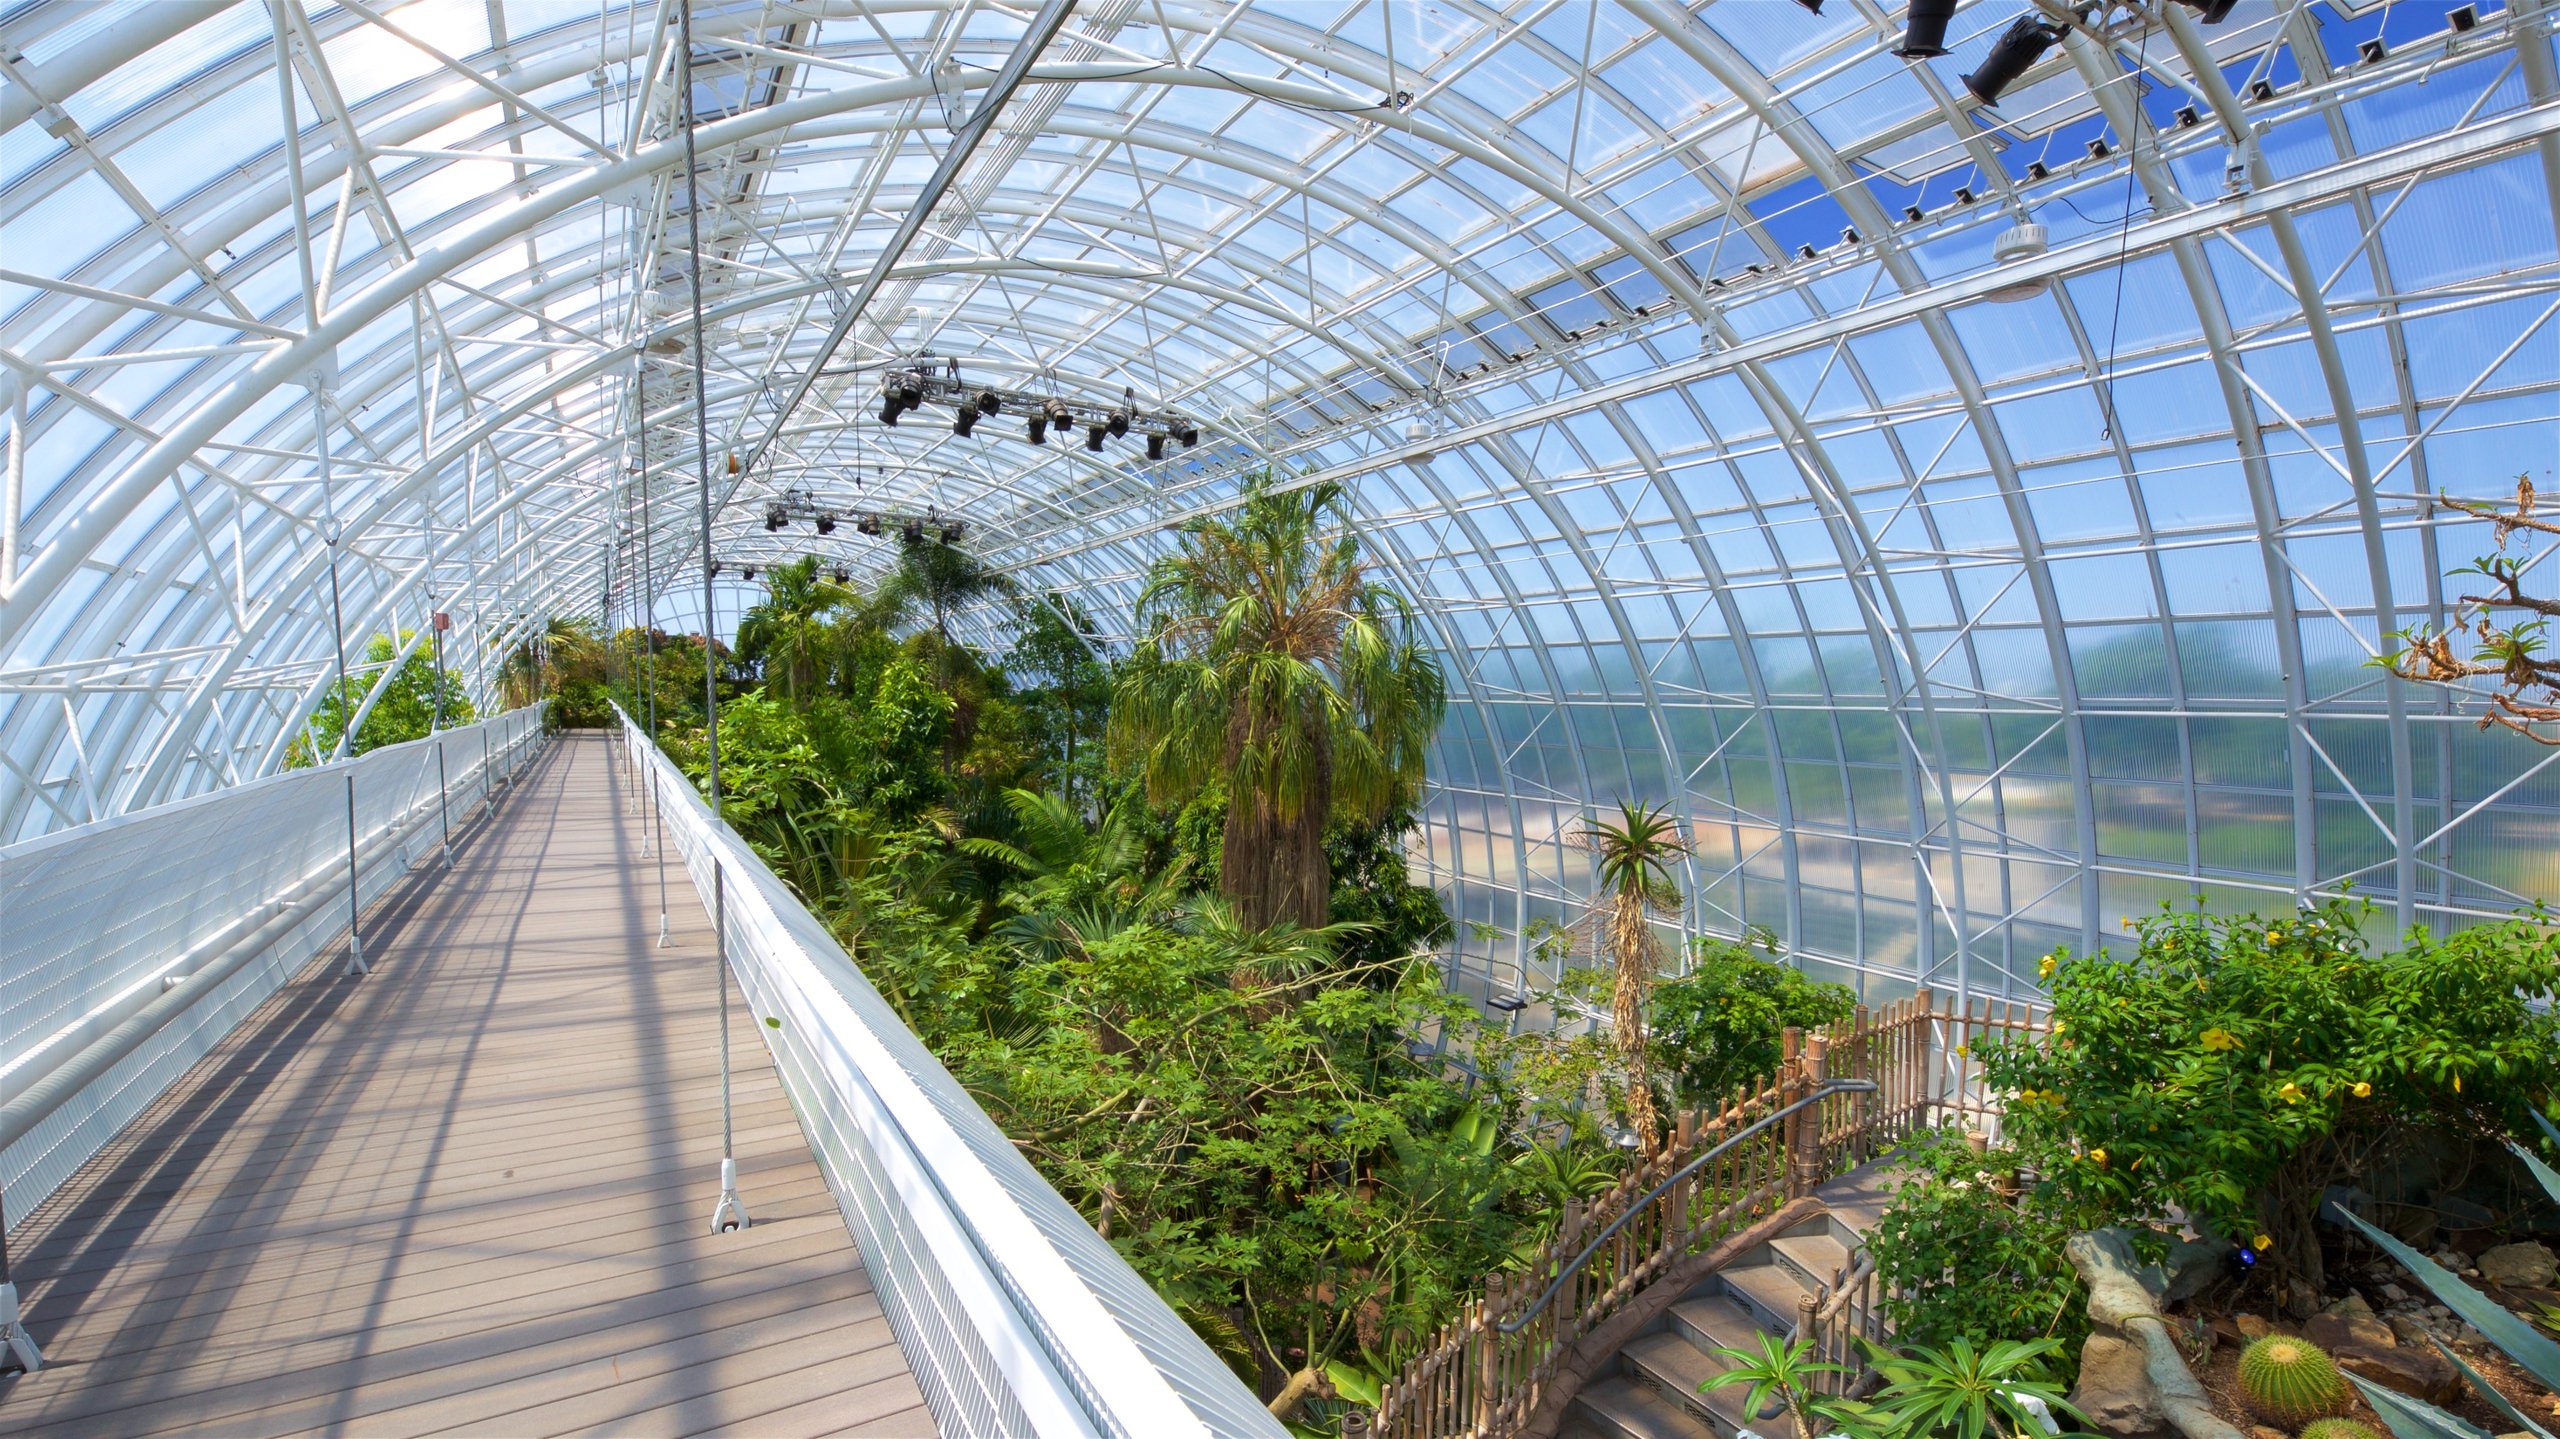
pixel 963 420
pixel 2372 51
pixel 2012 55
pixel 867 525
pixel 2213 11
pixel 2098 150
pixel 2261 90
pixel 2188 119
pixel 1924 29
pixel 1914 214
pixel 2462 18
pixel 826 524
pixel 1155 447
pixel 1093 435
pixel 912 532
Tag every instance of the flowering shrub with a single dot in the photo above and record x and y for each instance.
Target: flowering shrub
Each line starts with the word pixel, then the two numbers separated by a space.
pixel 2234 1068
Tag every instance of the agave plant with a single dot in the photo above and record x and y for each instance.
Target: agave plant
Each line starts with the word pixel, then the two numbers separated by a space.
pixel 2538 1356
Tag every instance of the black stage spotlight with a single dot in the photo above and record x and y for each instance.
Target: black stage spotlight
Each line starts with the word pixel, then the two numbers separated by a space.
pixel 990 403
pixel 751 572
pixel 2213 11
pixel 715 572
pixel 910 390
pixel 963 420
pixel 1093 436
pixel 1036 428
pixel 1813 5
pixel 1155 447
pixel 1119 423
pixel 1924 29
pixel 890 410
pixel 1059 419
pixel 826 524
pixel 952 532
pixel 1187 432
pixel 2018 48
pixel 775 519
pixel 867 525
pixel 912 532
pixel 838 575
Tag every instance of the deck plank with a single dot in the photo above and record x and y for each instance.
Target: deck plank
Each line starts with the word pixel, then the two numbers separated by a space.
pixel 469 1193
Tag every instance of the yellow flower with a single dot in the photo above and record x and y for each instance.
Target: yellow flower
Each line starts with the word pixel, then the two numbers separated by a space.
pixel 2291 1093
pixel 1962 1050
pixel 2098 1157
pixel 2262 1244
pixel 2128 921
pixel 2363 1090
pixel 2045 970
pixel 2457 1084
pixel 2218 1038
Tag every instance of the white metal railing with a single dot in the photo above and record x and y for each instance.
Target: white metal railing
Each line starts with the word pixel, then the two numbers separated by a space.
pixel 1017 1318
pixel 130 947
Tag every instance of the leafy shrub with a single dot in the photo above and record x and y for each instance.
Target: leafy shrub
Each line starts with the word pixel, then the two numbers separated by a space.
pixel 1718 1027
pixel 2233 1068
pixel 1958 1256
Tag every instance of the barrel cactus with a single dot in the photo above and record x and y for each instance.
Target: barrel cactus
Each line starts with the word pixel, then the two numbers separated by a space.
pixel 2338 1429
pixel 2290 1382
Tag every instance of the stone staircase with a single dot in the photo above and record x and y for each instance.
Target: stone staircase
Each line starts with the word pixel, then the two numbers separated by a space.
pixel 1650 1390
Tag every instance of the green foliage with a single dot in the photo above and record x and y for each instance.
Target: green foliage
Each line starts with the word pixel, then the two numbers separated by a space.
pixel 1373 887
pixel 2233 1068
pixel 1960 1252
pixel 1065 689
pixel 1781 1378
pixel 2289 1381
pixel 1720 1026
pixel 1271 662
pixel 1959 1391
pixel 406 710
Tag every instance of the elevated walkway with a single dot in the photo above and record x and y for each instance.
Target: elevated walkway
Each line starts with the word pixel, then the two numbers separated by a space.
pixel 470 1191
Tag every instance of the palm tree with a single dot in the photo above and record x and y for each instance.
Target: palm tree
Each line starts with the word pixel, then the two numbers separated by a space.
pixel 1273 662
pixel 939 579
pixel 1636 854
pixel 789 625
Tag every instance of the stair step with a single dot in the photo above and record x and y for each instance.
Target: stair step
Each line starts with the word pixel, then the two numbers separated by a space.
pixel 1675 1367
pixel 1767 1293
pixel 1621 1408
pixel 1814 1258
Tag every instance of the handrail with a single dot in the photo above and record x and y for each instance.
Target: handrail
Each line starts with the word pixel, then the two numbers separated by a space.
pixel 1016 1317
pixel 1636 1206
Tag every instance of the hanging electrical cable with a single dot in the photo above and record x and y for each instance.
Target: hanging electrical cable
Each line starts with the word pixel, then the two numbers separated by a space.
pixel 728 1214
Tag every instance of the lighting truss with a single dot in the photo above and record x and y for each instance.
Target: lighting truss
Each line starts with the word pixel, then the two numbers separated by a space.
pixel 906 390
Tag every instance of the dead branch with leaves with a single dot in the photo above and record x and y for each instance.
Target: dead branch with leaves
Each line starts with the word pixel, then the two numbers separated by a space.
pixel 2508 628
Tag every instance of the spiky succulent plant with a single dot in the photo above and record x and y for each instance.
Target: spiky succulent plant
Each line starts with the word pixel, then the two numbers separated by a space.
pixel 2337 1429
pixel 2290 1382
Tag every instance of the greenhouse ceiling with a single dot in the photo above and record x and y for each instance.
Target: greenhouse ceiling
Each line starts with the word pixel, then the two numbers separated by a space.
pixel 1965 585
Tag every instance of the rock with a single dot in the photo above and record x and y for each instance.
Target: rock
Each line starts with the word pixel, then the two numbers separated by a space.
pixel 2409 1329
pixel 2301 1301
pixel 2334 1332
pixel 2420 1374
pixel 2393 1293
pixel 2251 1326
pixel 2115 1391
pixel 2192 1264
pixel 2529 1264
pixel 2352 1306
pixel 2267 1431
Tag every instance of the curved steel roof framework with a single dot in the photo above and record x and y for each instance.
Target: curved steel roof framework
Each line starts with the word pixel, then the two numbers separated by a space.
pixel 1962 605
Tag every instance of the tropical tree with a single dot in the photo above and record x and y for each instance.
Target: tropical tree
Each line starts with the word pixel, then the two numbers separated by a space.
pixel 1636 853
pixel 1272 663
pixel 936 579
pixel 406 710
pixel 788 630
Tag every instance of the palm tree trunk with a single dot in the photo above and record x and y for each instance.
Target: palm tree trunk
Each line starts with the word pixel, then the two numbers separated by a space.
pixel 1631 942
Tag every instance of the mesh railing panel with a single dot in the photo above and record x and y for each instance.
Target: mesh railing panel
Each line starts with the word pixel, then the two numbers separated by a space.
pixel 94 919
pixel 1003 1296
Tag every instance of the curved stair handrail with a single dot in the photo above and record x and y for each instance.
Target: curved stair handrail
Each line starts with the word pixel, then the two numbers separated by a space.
pixel 1579 1261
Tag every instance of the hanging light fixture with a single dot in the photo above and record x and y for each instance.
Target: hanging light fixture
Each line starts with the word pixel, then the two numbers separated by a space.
pixel 964 419
pixel 2012 55
pixel 1155 447
pixel 1093 435
pixel 826 524
pixel 1418 433
pixel 2024 240
pixel 1924 29
pixel 912 532
pixel 868 524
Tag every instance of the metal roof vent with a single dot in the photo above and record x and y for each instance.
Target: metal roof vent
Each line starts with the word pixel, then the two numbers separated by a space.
pixel 2022 241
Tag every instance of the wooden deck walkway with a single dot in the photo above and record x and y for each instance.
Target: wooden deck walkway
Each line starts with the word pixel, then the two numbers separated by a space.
pixel 470 1193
